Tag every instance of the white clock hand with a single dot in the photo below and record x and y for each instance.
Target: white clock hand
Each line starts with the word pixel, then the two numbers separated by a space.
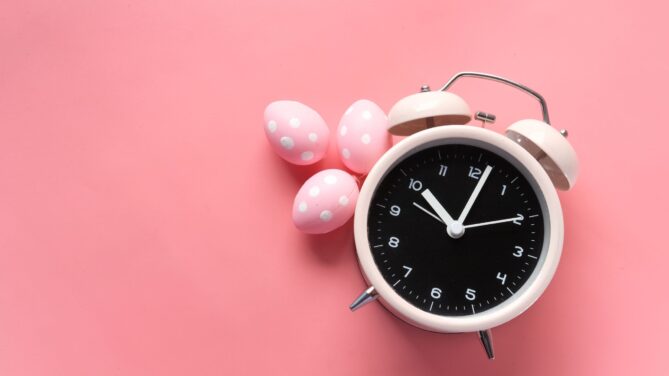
pixel 475 194
pixel 436 206
pixel 518 218
pixel 428 212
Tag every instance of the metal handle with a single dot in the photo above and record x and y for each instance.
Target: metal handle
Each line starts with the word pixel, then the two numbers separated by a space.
pixel 486 76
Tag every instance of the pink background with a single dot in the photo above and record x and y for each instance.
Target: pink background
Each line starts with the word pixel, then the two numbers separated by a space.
pixel 145 224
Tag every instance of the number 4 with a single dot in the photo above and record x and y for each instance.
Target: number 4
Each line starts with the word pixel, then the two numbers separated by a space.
pixel 501 277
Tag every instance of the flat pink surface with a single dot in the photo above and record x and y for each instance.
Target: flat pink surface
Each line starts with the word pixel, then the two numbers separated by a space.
pixel 145 223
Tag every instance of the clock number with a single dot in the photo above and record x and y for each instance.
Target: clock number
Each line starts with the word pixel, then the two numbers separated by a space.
pixel 518 221
pixel 395 210
pixel 501 277
pixel 442 170
pixel 519 251
pixel 435 293
pixel 393 242
pixel 408 270
pixel 503 189
pixel 470 294
pixel 416 185
pixel 474 173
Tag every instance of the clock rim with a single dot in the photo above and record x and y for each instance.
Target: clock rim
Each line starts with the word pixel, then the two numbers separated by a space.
pixel 553 237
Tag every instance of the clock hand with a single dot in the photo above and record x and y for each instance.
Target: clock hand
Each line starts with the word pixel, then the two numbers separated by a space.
pixel 436 206
pixel 428 212
pixel 475 194
pixel 518 218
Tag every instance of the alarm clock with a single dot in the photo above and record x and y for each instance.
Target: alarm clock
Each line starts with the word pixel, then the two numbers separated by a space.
pixel 459 228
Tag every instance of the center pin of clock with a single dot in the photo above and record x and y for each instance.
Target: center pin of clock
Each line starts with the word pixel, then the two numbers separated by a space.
pixel 455 230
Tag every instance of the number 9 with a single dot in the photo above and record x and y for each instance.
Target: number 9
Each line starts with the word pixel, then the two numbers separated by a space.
pixel 395 210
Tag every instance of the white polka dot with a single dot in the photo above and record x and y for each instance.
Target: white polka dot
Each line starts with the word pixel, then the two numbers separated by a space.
pixel 314 191
pixel 330 179
pixel 343 130
pixel 343 200
pixel 365 139
pixel 302 207
pixel 313 137
pixel 326 215
pixel 271 125
pixel 366 115
pixel 350 109
pixel 345 153
pixel 295 122
pixel 307 155
pixel 287 142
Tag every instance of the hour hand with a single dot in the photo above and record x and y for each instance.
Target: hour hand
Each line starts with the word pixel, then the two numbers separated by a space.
pixel 437 207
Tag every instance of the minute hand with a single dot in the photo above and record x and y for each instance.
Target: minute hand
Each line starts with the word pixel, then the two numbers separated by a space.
pixel 518 218
pixel 475 194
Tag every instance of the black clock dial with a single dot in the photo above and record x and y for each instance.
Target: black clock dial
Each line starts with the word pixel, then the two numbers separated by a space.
pixel 474 263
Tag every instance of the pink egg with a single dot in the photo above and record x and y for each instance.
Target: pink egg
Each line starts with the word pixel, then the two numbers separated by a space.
pixel 325 201
pixel 296 132
pixel 362 136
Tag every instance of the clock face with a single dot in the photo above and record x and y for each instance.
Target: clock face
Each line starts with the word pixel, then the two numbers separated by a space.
pixel 455 229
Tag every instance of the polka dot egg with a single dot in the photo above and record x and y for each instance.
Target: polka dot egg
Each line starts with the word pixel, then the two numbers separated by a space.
pixel 296 132
pixel 325 201
pixel 362 136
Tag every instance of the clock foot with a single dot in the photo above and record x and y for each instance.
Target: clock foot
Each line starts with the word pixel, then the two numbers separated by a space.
pixel 486 341
pixel 367 296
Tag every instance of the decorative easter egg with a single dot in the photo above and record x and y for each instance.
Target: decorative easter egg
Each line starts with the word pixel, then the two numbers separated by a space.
pixel 325 201
pixel 296 132
pixel 362 136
